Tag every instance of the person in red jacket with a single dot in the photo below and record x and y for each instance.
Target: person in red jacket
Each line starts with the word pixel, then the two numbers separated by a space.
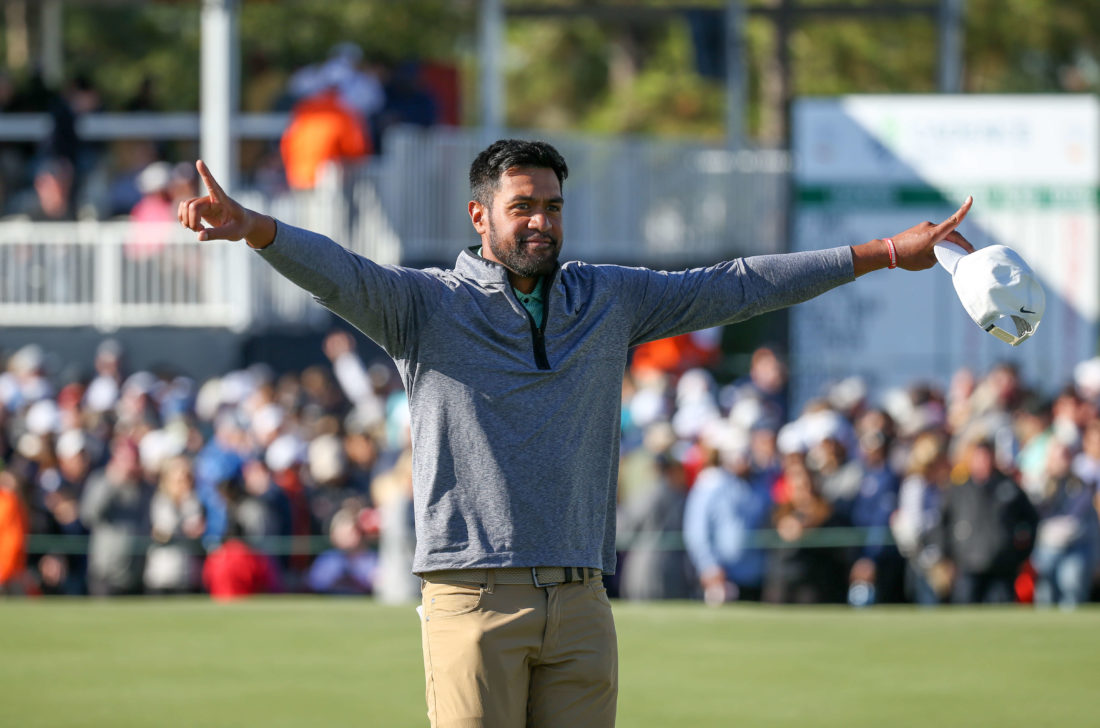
pixel 235 570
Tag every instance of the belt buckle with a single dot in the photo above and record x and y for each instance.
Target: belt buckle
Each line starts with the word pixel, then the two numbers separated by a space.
pixel 535 579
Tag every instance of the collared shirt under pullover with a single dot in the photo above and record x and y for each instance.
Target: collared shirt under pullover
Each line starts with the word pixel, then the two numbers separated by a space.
pixel 515 428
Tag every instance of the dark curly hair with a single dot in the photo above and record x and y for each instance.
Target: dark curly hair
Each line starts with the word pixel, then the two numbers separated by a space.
pixel 504 154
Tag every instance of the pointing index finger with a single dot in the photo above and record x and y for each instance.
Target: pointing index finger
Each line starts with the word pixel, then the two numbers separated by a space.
pixel 212 185
pixel 955 220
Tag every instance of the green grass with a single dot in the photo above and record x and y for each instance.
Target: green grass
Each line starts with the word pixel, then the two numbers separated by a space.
pixel 300 661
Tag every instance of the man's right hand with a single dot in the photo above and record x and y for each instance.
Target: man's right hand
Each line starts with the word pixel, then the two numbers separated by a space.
pixel 228 220
pixel 337 344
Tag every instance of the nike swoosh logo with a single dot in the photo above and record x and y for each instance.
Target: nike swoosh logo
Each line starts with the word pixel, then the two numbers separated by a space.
pixel 1024 310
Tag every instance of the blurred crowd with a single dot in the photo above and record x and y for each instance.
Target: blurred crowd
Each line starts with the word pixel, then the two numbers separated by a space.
pixel 141 482
pixel 339 110
pixel 983 493
pixel 246 483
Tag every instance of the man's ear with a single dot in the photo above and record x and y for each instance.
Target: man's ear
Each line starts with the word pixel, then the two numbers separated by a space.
pixel 479 216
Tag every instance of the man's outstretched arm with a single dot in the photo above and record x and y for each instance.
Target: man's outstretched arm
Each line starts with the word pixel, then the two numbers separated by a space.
pixel 387 303
pixel 227 218
pixel 913 249
pixel 666 304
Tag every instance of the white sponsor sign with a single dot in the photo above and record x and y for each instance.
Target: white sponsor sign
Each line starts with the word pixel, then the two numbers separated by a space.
pixel 872 166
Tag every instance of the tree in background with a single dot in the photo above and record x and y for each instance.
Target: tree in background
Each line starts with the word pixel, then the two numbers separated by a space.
pixel 577 72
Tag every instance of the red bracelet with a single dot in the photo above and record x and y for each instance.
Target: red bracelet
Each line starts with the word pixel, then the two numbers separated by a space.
pixel 893 253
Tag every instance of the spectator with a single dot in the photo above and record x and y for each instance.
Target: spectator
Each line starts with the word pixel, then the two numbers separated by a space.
pixel 1065 550
pixel 348 567
pixel 220 460
pixel 25 382
pixel 722 513
pixel 365 388
pixel 150 213
pixel 878 572
pixel 80 97
pixel 1086 464
pixel 261 508
pixel 12 156
pixel 361 451
pixel 130 159
pixel 919 500
pixel 61 160
pixel 322 129
pixel 177 525
pixel 153 267
pixel 766 382
pixel 115 509
pixel 51 197
pixel 840 477
pixel 391 493
pixel 61 572
pixel 284 458
pixel 408 101
pixel 655 567
pixel 13 536
pixel 34 461
pixel 322 395
pixel 235 570
pixel 331 490
pixel 74 460
pixel 360 87
pixel 985 532
pixel 104 389
pixel 801 572
pixel 1032 426
pixel 677 354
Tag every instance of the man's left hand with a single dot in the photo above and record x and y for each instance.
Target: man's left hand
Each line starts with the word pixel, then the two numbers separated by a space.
pixel 914 249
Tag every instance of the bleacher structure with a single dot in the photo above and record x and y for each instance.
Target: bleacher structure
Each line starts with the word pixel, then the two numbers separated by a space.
pixel 633 201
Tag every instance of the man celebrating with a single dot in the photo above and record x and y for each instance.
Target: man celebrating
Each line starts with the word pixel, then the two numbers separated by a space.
pixel 513 366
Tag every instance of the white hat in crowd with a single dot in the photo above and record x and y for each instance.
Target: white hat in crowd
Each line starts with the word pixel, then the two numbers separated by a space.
pixel 27 360
pixel 791 438
pixel 155 177
pixel 71 443
pixel 996 287
pixel 159 445
pixel 267 421
pixel 102 394
pixel 1086 375
pixel 326 458
pixel 43 417
pixel 285 452
pixel 747 413
pixel 825 425
pixel 848 393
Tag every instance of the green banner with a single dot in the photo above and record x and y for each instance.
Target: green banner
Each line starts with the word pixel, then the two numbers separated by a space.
pixel 986 197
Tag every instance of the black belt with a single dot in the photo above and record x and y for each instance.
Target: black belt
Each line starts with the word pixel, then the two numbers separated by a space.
pixel 540 576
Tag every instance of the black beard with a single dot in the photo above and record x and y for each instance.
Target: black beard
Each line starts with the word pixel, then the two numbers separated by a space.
pixel 516 259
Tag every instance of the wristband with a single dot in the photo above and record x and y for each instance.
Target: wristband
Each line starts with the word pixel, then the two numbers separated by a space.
pixel 893 253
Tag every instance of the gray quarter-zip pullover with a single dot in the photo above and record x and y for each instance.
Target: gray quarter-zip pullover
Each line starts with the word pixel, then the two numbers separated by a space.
pixel 515 429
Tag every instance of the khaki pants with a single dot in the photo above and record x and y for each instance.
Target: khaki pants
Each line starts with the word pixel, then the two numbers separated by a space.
pixel 514 655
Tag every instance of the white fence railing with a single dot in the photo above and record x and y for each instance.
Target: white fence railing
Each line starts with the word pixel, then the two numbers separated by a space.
pixel 114 274
pixel 651 203
pixel 140 125
pixel 642 202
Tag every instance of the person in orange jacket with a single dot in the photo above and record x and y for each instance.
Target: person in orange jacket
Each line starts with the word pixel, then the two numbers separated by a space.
pixel 322 129
pixel 13 535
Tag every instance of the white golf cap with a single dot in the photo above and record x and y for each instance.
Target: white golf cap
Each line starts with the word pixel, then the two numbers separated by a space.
pixel 995 284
